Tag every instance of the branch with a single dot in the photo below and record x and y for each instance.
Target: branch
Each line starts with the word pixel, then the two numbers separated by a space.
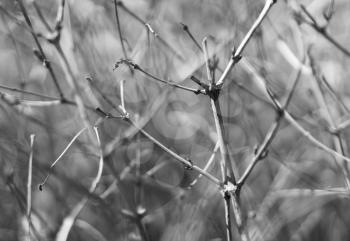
pixel 236 56
pixel 120 34
pixel 60 156
pixel 150 29
pixel 43 57
pixel 323 31
pixel 239 85
pixel 69 220
pixel 152 77
pixel 29 185
pixel 206 167
pixel 263 149
pixel 187 163
pixel 323 105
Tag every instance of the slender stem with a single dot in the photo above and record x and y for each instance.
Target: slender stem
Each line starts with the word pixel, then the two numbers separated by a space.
pixel 122 96
pixel 312 139
pixel 60 156
pixel 223 147
pixel 239 85
pixel 120 33
pixel 73 83
pixel 155 34
pixel 138 128
pixel 176 156
pixel 70 219
pixel 41 51
pixel 27 92
pixel 237 54
pixel 142 230
pixel 59 16
pixel 186 29
pixel 337 140
pixel 206 167
pixel 19 61
pixel 225 160
pixel 335 95
pixel 228 216
pixel 41 17
pixel 152 77
pixel 262 151
pixel 29 184
pixel 323 31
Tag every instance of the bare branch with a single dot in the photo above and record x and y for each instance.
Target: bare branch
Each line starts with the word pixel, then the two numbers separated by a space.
pixel 236 56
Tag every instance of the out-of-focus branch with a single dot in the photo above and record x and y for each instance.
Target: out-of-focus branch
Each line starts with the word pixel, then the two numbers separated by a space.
pixel 29 185
pixel 43 57
pixel 324 32
pixel 263 149
pixel 325 111
pixel 69 220
pixel 151 30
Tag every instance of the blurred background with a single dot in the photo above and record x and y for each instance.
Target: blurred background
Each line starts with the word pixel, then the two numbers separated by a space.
pixel 298 192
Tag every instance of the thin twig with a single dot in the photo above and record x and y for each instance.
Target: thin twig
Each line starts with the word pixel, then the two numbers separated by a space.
pixel 16 20
pixel 175 155
pixel 120 34
pixel 150 29
pixel 262 151
pixel 19 60
pixel 337 140
pixel 236 56
pixel 323 31
pixel 44 59
pixel 239 85
pixel 73 83
pixel 13 100
pixel 138 217
pixel 69 220
pixel 60 156
pixel 27 92
pixel 311 138
pixel 206 60
pixel 29 184
pixel 334 94
pixel 152 77
pixel 226 168
pixel 41 16
pixel 90 229
pixel 207 166
pixel 59 16
pixel 137 127
pixel 122 97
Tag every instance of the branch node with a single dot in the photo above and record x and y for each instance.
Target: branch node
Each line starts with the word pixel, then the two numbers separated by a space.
pixel 334 131
pixel 190 166
pixel 102 113
pixel 229 188
pixel 141 211
pixel 214 91
pixel 119 3
pixel 128 62
pixel 184 27
pixel 236 57
pixel 227 195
